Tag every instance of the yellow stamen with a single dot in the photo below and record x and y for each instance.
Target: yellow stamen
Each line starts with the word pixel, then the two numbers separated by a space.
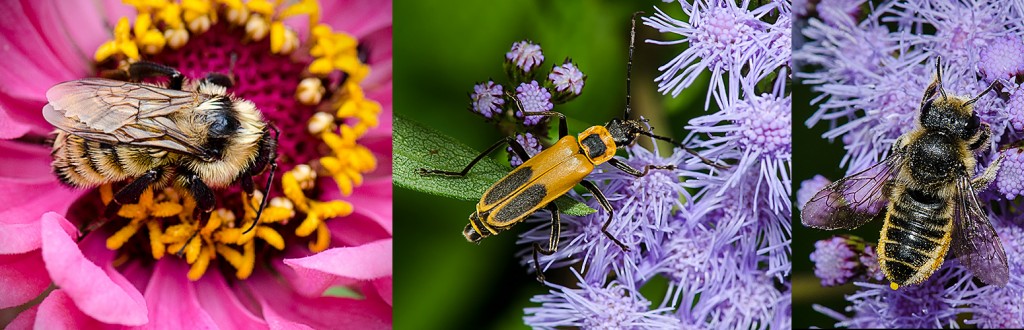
pixel 322 240
pixel 171 15
pixel 232 256
pixel 198 14
pixel 122 43
pixel 308 225
pixel 192 249
pixel 283 40
pixel 120 260
pixel 262 7
pixel 213 223
pixel 106 193
pixel 308 7
pixel 270 236
pixel 248 261
pixel 177 234
pixel 146 6
pixel 290 187
pixel 165 209
pixel 122 236
pixel 176 38
pixel 199 266
pixel 154 239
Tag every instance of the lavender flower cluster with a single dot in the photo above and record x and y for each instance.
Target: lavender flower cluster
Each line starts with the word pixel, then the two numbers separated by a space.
pixel 499 105
pixel 871 64
pixel 721 237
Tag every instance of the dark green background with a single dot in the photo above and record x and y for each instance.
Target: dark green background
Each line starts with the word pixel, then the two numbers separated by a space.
pixel 442 49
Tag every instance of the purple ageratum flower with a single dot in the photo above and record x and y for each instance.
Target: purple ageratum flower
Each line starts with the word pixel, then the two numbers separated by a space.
pixel 1010 180
pixel 834 261
pixel 936 303
pixel 611 306
pixel 567 80
pixel 810 187
pixel 747 300
pixel 525 55
pixel 839 12
pixel 488 99
pixel 1002 59
pixel 529 143
pixel 533 98
pixel 869 259
pixel 723 37
pixel 755 131
pixel 961 28
pixel 996 307
pixel 1015 109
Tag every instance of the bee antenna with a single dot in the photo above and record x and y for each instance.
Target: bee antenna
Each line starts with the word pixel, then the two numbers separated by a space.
pixel 938 75
pixel 989 89
pixel 266 196
pixel 629 63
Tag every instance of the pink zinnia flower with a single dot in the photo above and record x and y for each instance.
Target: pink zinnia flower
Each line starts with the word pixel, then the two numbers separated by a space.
pixel 332 103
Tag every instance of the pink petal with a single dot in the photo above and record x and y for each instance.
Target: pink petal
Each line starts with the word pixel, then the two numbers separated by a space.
pixel 384 288
pixel 23 277
pixel 114 10
pixel 26 161
pixel 101 293
pixel 220 302
pixel 24 320
pixel 357 18
pixel 172 299
pixel 19 226
pixel 355 229
pixel 58 311
pixel 276 321
pixel 318 312
pixel 364 262
pixel 52 26
pixel 11 128
pixel 372 199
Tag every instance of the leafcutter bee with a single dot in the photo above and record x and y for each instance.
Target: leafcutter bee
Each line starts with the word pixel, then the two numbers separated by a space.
pixel 925 193
pixel 155 136
pixel 541 179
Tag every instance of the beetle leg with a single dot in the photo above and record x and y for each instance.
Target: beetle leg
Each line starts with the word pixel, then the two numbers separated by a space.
pixel 518 148
pixel 635 172
pixel 556 230
pixel 703 159
pixel 607 208
pixel 142 69
pixel 563 128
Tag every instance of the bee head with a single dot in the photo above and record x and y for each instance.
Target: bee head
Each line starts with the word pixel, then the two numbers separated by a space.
pixel 952 115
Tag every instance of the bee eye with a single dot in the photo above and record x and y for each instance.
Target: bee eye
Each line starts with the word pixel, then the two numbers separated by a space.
pixel 973 123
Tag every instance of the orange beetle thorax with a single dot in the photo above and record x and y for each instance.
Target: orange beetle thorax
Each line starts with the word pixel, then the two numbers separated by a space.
pixel 597 144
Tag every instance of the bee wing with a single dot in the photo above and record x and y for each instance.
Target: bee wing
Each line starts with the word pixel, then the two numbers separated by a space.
pixel 975 242
pixel 853 200
pixel 119 112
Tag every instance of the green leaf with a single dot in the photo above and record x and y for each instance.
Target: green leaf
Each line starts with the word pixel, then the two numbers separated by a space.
pixel 417 147
pixel 343 292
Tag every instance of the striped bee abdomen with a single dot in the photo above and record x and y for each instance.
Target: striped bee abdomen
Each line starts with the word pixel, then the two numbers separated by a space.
pixel 915 236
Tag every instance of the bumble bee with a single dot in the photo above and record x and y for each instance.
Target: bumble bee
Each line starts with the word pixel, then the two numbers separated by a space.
pixel 155 136
pixel 925 194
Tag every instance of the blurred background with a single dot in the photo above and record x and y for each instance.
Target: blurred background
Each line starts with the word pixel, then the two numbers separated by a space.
pixel 443 48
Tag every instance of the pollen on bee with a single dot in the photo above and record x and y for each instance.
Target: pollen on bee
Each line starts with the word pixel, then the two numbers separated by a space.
pixel 894 286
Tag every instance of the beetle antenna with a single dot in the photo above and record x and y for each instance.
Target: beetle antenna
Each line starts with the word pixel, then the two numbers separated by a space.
pixel 629 62
pixel 703 159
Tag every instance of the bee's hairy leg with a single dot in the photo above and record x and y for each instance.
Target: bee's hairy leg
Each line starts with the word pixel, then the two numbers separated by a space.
pixel 142 69
pixel 205 200
pixel 989 175
pixel 130 194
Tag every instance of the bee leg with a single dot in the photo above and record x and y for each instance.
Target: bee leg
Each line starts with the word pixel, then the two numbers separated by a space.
pixel 635 172
pixel 266 195
pixel 516 147
pixel 556 229
pixel 607 208
pixel 130 194
pixel 142 69
pixel 989 175
pixel 205 201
